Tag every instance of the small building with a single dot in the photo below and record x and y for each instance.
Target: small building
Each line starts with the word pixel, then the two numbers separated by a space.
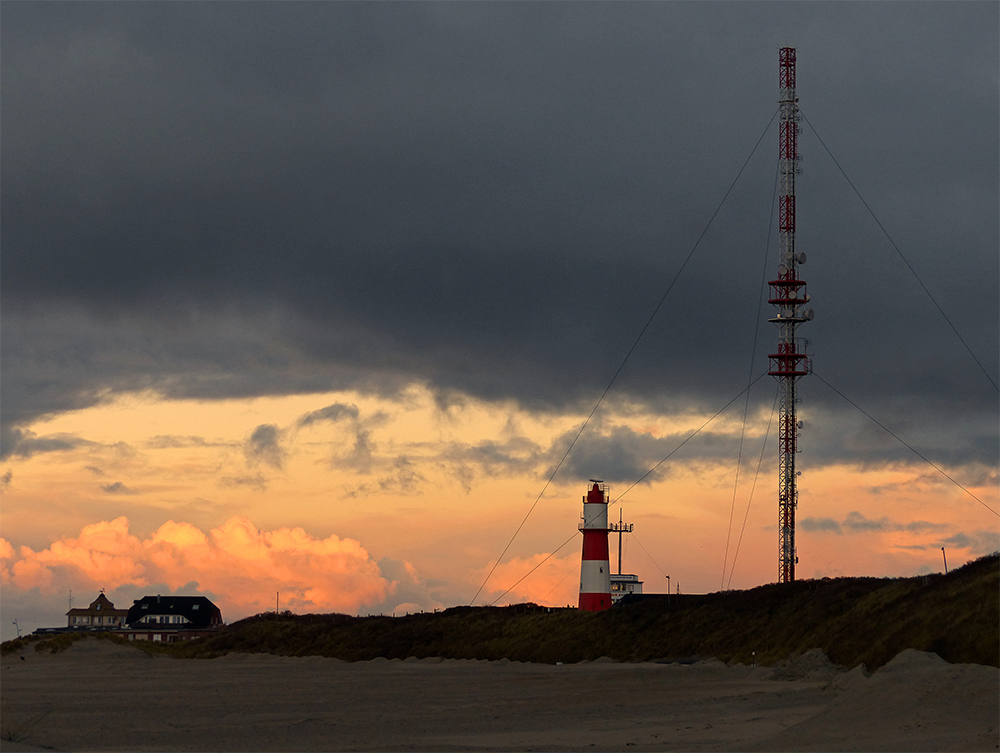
pixel 624 585
pixel 100 614
pixel 172 618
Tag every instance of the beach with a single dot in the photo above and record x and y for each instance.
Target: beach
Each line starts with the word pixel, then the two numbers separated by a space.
pixel 99 695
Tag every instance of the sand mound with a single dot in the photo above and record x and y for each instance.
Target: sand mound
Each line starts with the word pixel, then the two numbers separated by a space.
pixel 813 666
pixel 850 682
pixel 917 701
pixel 911 660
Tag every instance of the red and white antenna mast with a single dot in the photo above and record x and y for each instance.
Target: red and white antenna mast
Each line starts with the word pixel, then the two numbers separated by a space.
pixel 788 293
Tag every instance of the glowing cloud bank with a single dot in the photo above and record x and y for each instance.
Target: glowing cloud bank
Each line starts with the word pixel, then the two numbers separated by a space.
pixel 243 566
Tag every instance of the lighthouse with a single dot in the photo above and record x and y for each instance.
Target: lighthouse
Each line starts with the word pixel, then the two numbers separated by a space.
pixel 595 569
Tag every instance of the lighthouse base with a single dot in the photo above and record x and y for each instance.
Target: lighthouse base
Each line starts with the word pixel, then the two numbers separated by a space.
pixel 595 602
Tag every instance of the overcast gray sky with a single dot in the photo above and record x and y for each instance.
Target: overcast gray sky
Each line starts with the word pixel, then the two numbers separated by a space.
pixel 222 199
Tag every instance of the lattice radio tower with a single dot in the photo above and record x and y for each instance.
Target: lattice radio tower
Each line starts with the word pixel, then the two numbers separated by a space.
pixel 788 294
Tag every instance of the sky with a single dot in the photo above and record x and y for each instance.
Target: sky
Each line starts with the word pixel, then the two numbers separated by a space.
pixel 305 305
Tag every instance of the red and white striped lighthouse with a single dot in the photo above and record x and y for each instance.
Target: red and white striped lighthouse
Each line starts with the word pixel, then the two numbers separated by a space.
pixel 595 569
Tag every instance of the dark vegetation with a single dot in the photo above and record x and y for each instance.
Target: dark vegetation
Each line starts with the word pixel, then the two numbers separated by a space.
pixel 60 642
pixel 854 620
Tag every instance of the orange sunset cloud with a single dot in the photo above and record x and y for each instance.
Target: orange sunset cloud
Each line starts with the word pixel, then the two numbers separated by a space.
pixel 241 565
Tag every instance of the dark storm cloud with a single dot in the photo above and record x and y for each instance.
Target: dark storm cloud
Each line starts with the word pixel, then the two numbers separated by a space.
pixel 819 524
pixel 858 523
pixel 399 477
pixel 264 446
pixel 216 200
pixel 514 456
pixel 623 455
pixel 896 431
pixel 333 413
pixel 117 488
pixel 855 522
pixel 24 443
pixel 980 542
pixel 360 457
pixel 257 482
pixel 165 441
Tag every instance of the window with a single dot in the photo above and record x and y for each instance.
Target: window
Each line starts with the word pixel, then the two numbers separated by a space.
pixel 195 606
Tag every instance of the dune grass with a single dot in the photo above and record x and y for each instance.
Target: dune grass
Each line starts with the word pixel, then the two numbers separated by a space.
pixel 62 641
pixel 854 620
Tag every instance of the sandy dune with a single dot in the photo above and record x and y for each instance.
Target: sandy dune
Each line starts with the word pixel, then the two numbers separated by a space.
pixel 102 696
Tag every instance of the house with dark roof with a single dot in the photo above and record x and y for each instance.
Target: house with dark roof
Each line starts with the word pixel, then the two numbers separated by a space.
pixel 100 615
pixel 172 618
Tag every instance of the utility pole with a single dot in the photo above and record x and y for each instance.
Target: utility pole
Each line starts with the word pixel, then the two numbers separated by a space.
pixel 788 293
pixel 945 561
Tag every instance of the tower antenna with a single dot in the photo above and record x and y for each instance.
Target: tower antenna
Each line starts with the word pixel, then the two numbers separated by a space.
pixel 788 294
pixel 620 527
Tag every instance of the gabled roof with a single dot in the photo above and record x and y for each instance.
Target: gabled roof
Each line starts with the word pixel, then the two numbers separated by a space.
pixel 199 611
pixel 100 605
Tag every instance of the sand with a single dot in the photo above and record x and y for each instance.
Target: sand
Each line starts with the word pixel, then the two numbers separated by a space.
pixel 102 696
